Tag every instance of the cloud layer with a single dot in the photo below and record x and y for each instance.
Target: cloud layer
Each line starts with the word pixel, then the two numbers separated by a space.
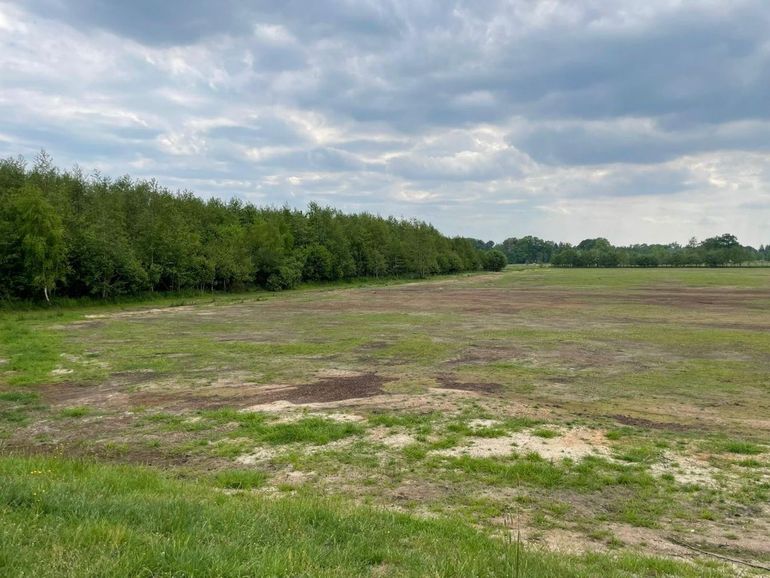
pixel 562 118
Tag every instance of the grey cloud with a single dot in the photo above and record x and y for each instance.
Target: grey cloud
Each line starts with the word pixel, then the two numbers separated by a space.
pixel 623 141
pixel 150 21
pixel 456 111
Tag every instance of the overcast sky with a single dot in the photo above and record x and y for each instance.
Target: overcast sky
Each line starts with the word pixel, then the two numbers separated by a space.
pixel 634 120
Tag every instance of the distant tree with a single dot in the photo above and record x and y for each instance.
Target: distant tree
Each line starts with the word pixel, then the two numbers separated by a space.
pixel 33 249
pixel 527 250
pixel 495 260
pixel 483 245
pixel 645 261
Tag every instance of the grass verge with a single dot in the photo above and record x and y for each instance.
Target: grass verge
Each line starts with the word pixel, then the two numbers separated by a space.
pixel 72 518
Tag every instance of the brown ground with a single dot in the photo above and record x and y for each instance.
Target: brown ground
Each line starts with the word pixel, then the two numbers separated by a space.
pixel 576 382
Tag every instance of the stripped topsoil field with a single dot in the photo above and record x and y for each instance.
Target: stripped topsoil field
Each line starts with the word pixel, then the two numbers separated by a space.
pixel 604 415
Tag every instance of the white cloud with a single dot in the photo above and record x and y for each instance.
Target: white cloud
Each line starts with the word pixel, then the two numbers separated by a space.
pixel 565 119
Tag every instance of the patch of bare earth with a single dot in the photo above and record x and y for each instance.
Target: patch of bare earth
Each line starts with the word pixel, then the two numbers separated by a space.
pixel 575 443
pixel 326 389
pixel 153 312
pixel 649 424
pixel 450 382
pixel 385 436
pixel 686 469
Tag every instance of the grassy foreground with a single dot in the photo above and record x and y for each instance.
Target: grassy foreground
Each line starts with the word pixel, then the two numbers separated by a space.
pixel 71 518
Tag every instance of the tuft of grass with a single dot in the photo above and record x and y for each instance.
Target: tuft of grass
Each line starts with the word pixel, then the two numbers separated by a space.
pixel 313 430
pixel 20 397
pixel 15 406
pixel 739 447
pixel 13 416
pixel 618 433
pixel 240 479
pixel 639 454
pixel 74 412
pixel 257 426
pixel 414 452
pixel 545 433
pixel 750 463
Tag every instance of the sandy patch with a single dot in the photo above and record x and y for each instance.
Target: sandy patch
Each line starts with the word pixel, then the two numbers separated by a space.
pixel 337 416
pixel 686 469
pixel 483 423
pixel 648 539
pixel 327 373
pixel 482 448
pixel 61 371
pixel 383 435
pixel 278 406
pixel 257 456
pixel 575 443
pixel 142 312
pixel 289 412
pixel 568 542
pixel 293 477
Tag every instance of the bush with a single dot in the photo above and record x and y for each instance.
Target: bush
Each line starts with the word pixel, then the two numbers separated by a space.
pixel 495 260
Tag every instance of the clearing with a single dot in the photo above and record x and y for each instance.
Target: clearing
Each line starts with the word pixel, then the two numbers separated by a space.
pixel 613 417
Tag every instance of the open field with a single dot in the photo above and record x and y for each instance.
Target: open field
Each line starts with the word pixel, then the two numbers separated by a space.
pixel 613 417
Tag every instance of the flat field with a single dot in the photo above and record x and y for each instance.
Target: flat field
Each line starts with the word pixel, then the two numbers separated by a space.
pixel 535 422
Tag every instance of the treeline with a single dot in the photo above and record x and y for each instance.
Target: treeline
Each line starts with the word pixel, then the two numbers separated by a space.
pixel 724 250
pixel 64 233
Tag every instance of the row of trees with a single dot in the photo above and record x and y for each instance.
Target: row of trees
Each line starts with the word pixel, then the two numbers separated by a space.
pixel 723 250
pixel 63 232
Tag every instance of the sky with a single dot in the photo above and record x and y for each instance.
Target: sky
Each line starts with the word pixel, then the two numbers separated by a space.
pixel 566 119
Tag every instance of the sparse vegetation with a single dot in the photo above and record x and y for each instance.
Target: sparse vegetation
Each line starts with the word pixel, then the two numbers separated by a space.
pixel 600 406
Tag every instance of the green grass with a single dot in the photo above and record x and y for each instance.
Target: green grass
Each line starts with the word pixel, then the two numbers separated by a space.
pixel 75 412
pixel 545 433
pixel 18 396
pixel 32 350
pixel 257 426
pixel 405 419
pixel 63 518
pixel 592 474
pixel 639 454
pixel 16 407
pixel 739 447
pixel 240 479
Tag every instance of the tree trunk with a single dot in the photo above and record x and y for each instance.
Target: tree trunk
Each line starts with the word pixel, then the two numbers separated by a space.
pixel 45 292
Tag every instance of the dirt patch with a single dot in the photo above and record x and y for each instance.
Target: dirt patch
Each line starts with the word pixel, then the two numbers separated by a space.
pixel 107 395
pixel 121 393
pixel 482 448
pixel 686 470
pixel 647 539
pixel 289 412
pixel 386 437
pixel 566 542
pixel 155 311
pixel 450 382
pixel 257 456
pixel 649 424
pixel 418 491
pixel 575 444
pixel 328 389
pixel 337 373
